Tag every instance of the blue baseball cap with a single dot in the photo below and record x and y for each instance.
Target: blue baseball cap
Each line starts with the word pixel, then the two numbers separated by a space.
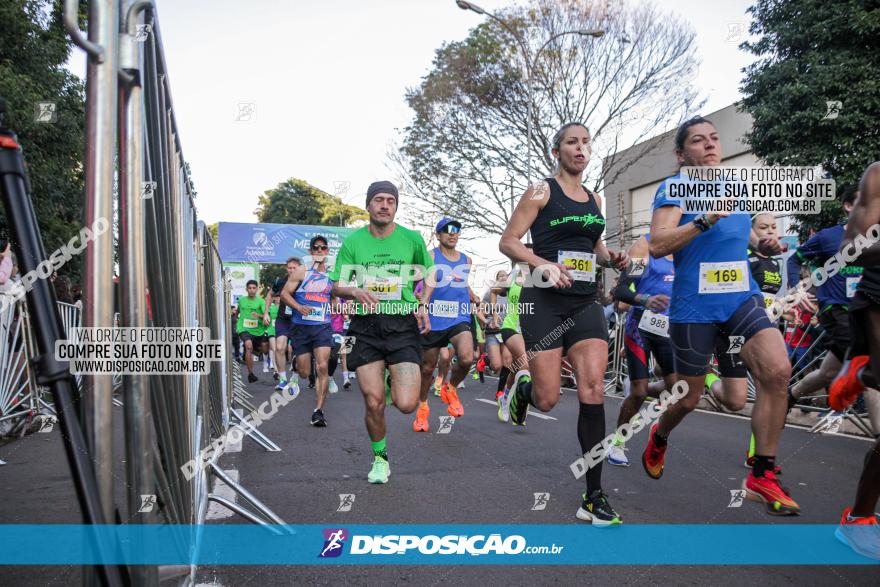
pixel 445 221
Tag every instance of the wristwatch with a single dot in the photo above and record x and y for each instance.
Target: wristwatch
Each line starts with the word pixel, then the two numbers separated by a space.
pixel 702 223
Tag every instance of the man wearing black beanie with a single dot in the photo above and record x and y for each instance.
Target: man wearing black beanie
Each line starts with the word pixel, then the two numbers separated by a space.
pixel 382 262
pixel 381 187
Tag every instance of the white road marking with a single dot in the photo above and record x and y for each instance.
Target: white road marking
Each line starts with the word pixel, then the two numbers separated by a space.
pixel 710 412
pixel 531 413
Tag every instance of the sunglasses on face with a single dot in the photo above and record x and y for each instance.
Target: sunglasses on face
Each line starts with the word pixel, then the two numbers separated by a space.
pixel 450 229
pixel 320 248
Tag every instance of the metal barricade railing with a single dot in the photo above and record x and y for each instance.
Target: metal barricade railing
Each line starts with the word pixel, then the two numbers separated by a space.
pixel 169 270
pixel 16 398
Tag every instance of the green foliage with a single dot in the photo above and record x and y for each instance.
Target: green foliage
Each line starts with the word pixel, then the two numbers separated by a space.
pixel 811 52
pixel 33 51
pixel 270 272
pixel 296 202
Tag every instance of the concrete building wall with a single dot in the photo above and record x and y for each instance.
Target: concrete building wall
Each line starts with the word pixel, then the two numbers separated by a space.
pixel 634 174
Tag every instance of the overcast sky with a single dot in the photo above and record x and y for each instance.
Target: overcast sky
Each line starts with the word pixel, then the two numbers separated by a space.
pixel 327 80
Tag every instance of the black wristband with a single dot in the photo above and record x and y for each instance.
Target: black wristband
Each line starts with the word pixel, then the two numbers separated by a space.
pixel 702 223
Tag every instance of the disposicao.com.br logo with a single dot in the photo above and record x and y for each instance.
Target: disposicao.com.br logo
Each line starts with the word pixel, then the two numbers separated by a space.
pixel 431 544
pixel 334 541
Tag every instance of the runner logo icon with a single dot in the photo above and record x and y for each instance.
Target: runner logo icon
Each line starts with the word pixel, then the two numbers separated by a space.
pixel 334 541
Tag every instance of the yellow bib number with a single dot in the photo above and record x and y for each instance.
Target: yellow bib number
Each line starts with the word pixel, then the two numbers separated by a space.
pixel 726 277
pixel 384 288
pixel 581 265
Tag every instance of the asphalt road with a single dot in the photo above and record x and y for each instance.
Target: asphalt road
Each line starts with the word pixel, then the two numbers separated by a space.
pixel 481 471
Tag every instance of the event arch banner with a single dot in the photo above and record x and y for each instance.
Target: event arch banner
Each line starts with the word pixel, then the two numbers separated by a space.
pixel 239 274
pixel 274 243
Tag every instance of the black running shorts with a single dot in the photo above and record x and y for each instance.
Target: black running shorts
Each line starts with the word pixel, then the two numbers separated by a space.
pixel 640 344
pixel 382 337
pixel 557 320
pixel 694 343
pixel 441 338
pixel 838 335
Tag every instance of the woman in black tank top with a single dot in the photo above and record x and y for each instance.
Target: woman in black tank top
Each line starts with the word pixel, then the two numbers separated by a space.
pixel 559 313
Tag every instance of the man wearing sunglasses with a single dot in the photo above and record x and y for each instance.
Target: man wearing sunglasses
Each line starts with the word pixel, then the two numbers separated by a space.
pixel 450 316
pixel 307 291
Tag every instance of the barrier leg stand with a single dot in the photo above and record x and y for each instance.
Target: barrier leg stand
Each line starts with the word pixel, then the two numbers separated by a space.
pixel 261 508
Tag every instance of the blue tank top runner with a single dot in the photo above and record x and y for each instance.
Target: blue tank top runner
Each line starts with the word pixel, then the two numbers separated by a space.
pixel 314 293
pixel 450 301
pixel 658 278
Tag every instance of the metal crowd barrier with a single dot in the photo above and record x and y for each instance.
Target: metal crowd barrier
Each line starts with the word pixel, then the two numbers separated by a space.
pixel 170 275
pixel 17 401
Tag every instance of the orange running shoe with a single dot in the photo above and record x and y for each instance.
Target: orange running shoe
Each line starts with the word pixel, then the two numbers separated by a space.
pixel 846 387
pixel 654 457
pixel 860 534
pixel 768 491
pixel 422 415
pixel 450 398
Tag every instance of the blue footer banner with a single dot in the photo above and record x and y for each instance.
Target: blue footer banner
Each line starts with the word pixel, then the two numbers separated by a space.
pixel 793 544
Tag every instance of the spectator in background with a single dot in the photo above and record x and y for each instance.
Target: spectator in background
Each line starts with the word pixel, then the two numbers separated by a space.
pixel 62 289
pixel 608 302
pixel 799 335
pixel 76 294
pixel 5 262
pixel 233 316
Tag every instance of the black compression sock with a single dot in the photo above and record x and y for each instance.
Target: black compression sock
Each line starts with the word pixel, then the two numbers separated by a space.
pixel 502 378
pixel 591 431
pixel 660 440
pixel 762 465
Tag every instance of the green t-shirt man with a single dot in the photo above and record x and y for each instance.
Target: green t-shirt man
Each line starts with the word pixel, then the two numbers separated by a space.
pixel 383 267
pixel 246 321
pixel 273 313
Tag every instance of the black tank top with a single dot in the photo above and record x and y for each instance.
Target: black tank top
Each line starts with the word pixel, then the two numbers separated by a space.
pixel 564 225
pixel 766 272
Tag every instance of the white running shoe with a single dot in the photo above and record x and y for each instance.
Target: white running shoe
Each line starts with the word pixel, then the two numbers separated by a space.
pixel 293 387
pixel 265 367
pixel 504 406
pixel 616 456
pixel 332 387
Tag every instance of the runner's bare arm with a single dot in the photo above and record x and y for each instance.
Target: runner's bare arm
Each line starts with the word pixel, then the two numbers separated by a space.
pixel 523 216
pixel 292 283
pixel 351 292
pixel 865 214
pixel 266 318
pixel 667 236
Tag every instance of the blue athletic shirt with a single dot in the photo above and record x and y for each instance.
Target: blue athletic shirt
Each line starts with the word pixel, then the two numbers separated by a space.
pixel 726 242
pixel 657 279
pixel 841 287
pixel 314 293
pixel 450 303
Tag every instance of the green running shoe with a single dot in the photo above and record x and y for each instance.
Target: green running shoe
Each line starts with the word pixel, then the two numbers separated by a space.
pixel 380 471
pixel 519 405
